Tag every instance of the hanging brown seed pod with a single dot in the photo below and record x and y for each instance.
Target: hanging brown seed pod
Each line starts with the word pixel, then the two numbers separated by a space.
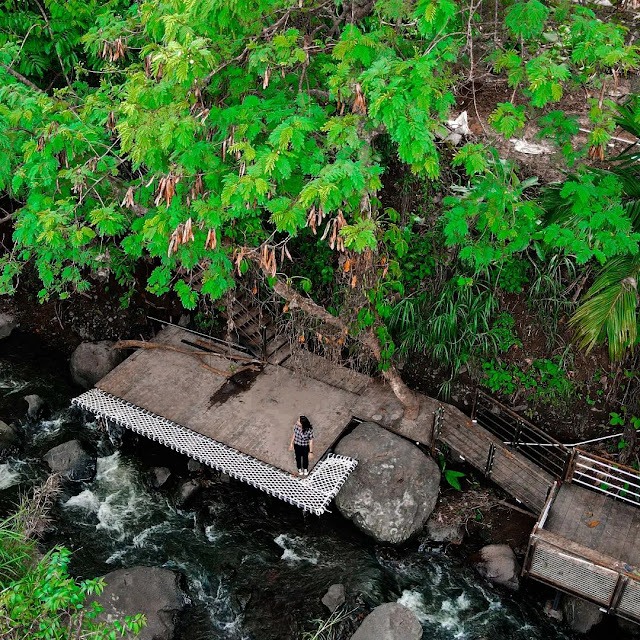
pixel 111 121
pixel 239 261
pixel 147 66
pixel 197 188
pixel 128 200
pixel 187 234
pixel 359 104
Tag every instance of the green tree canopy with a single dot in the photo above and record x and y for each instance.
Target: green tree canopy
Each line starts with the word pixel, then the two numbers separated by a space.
pixel 198 136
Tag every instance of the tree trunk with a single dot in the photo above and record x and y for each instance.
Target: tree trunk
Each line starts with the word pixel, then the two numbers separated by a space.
pixel 295 300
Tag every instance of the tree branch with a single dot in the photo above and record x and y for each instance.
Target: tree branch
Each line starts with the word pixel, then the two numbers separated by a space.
pixel 20 77
pixel 391 374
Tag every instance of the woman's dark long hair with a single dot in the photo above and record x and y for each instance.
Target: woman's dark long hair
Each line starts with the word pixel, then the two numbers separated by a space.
pixel 306 425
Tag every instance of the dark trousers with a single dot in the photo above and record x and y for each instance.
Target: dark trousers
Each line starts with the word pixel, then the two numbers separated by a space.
pixel 302 456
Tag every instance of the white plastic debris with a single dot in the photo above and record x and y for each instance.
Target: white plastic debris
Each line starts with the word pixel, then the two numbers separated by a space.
pixel 460 125
pixel 522 146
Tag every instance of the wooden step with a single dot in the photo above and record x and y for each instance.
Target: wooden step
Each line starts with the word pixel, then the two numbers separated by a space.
pixel 275 344
pixel 246 317
pixel 278 350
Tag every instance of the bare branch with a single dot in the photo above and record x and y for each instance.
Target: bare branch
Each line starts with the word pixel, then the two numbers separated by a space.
pixel 20 77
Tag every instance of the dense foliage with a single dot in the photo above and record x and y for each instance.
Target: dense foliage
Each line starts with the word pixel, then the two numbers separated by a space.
pixel 200 137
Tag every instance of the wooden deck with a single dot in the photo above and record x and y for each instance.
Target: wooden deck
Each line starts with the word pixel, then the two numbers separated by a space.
pixel 596 521
pixel 586 544
pixel 256 414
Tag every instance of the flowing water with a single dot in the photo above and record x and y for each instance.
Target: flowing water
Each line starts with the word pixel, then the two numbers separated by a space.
pixel 254 567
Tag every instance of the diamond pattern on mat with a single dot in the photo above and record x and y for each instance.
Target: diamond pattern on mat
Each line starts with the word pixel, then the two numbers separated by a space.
pixel 313 493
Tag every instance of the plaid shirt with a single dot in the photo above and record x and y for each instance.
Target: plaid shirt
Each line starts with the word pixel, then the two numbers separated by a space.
pixel 300 437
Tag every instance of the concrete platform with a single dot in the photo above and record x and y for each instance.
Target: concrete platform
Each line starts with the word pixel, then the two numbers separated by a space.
pixel 255 415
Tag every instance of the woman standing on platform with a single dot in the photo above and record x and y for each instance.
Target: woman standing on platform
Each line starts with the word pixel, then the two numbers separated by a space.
pixel 302 441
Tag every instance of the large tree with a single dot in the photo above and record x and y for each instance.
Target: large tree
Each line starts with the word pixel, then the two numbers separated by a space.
pixel 202 136
pixel 199 135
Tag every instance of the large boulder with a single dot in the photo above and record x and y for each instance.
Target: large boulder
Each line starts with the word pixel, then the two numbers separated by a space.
pixel 91 361
pixel 9 437
pixel 71 460
pixel 581 615
pixel 394 488
pixel 7 324
pixel 391 621
pixel 149 590
pixel 497 563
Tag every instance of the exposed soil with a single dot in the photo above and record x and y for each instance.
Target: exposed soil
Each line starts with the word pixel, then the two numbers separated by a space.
pixel 486 516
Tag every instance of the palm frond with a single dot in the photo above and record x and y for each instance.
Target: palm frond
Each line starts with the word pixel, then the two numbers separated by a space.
pixel 627 120
pixel 610 309
pixel 632 209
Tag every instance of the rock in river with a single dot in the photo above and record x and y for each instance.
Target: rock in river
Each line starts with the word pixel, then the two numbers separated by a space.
pixel 581 615
pixel 187 490
pixel 394 488
pixel 335 597
pixel 391 621
pixel 7 324
pixel 152 591
pixel 91 361
pixel 37 406
pixel 497 563
pixel 71 460
pixel 159 477
pixel 9 437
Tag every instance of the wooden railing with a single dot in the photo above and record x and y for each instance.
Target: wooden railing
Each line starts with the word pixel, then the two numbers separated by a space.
pixel 602 475
pixel 533 443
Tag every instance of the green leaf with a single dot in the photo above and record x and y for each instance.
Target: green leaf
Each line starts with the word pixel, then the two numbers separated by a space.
pixel 188 297
pixel 526 19
pixel 507 119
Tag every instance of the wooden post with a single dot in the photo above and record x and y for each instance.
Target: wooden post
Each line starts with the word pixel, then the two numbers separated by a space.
pixel 518 433
pixel 489 465
pixel 569 467
pixel 475 404
pixel 263 334
pixel 528 556
pixel 617 592
pixel 437 427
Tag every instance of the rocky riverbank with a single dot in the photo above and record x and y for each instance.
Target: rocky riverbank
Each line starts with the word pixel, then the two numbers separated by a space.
pixel 390 498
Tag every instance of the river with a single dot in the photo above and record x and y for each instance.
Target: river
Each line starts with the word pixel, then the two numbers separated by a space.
pixel 255 568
